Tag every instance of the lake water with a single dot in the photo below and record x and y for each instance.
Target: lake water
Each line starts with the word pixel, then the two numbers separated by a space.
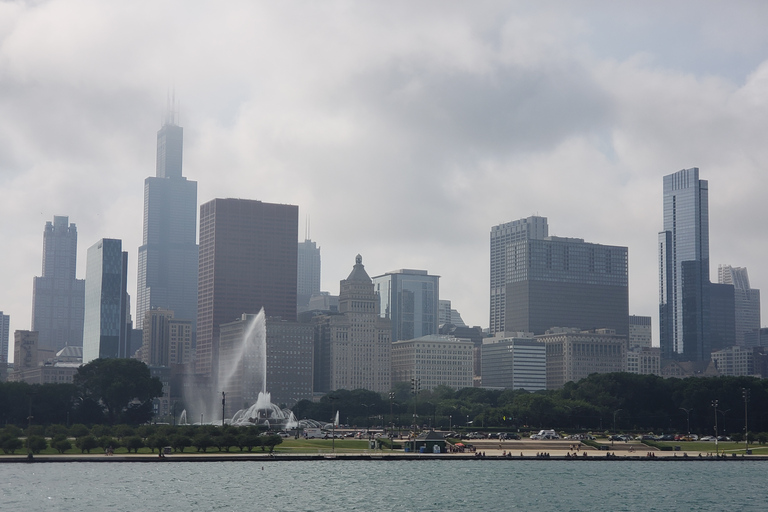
pixel 489 485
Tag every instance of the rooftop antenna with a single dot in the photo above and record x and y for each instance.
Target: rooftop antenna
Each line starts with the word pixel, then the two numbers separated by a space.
pixel 170 113
pixel 306 235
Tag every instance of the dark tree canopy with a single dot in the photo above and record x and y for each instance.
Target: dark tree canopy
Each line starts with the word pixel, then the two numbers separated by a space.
pixel 123 388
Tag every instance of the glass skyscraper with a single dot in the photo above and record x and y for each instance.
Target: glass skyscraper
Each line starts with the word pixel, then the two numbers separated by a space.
pixel 105 332
pixel 167 271
pixel 308 272
pixel 410 299
pixel 684 267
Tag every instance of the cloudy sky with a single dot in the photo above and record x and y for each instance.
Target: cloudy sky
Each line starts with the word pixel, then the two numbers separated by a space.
pixel 403 130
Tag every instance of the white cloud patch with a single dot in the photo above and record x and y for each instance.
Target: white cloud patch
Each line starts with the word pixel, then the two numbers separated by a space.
pixel 404 131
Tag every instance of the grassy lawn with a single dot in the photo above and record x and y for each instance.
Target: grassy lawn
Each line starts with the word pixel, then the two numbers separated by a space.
pixel 290 445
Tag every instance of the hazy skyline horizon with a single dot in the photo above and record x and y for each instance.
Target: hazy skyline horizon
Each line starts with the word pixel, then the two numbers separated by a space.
pixel 404 132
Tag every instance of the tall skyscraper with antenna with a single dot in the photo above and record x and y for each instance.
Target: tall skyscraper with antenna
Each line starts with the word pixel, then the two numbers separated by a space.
pixel 167 273
pixel 308 266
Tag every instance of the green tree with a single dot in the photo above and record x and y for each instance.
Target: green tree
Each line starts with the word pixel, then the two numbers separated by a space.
pixel 134 443
pixel 123 387
pixel 61 444
pixel 36 444
pixel 180 441
pixel 271 442
pixel 158 441
pixel 10 444
pixel 78 430
pixel 86 444
pixel 202 442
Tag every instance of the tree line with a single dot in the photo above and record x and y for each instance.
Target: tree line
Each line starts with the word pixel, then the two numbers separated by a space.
pixel 126 438
pixel 120 391
pixel 601 402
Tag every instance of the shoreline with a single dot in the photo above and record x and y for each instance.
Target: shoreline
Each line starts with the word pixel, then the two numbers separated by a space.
pixel 237 457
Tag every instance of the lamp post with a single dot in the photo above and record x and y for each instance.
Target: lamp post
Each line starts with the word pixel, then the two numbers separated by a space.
pixel 745 394
pixel 714 406
pixel 614 418
pixel 450 422
pixel 223 406
pixel 415 386
pixel 367 417
pixel 687 417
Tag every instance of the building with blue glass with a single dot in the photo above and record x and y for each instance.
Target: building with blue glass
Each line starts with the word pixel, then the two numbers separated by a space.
pixel 410 299
pixel 683 248
pixel 106 326
pixel 167 262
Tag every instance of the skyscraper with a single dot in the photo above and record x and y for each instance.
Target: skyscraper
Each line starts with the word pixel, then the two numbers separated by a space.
pixel 105 332
pixel 308 268
pixel 547 281
pixel 503 237
pixel 409 298
pixel 58 298
pixel 247 261
pixel 167 271
pixel 684 267
pixel 5 326
pixel 746 301
pixel 353 348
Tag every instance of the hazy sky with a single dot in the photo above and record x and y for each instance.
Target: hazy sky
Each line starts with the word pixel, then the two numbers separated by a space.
pixel 404 130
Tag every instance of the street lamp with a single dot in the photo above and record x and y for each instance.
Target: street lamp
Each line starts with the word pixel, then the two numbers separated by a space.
pixel 688 418
pixel 614 418
pixel 714 405
pixel 450 423
pixel 745 394
pixel 367 417
pixel 223 406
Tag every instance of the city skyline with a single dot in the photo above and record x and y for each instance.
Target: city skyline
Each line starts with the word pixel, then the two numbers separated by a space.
pixel 462 118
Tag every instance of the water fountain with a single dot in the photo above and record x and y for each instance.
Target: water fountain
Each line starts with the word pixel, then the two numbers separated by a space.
pixel 263 412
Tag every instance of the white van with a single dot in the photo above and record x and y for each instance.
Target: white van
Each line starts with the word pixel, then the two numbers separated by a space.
pixel 546 434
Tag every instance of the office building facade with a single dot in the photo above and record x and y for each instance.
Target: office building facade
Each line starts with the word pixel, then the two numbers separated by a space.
pixel 514 362
pixel 574 355
pixel 168 268
pixel 503 237
pixel 58 297
pixel 746 302
pixel 557 282
pixel 288 365
pixel 353 347
pixel 410 300
pixel 106 327
pixel 434 360
pixel 247 262
pixel 640 331
pixel 308 273
pixel 5 326
pixel 684 268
